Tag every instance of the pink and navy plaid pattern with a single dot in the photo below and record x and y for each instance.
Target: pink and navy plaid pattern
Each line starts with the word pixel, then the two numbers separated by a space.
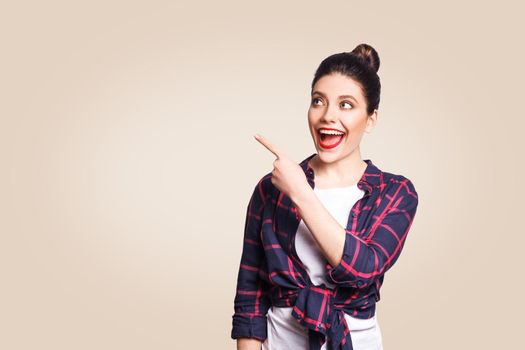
pixel 271 273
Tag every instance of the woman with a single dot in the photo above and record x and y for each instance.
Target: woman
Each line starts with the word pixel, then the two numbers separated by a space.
pixel 320 235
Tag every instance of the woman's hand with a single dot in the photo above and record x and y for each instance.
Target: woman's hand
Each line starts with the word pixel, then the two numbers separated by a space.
pixel 287 175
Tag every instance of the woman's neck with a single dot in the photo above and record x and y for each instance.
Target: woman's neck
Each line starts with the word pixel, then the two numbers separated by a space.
pixel 342 173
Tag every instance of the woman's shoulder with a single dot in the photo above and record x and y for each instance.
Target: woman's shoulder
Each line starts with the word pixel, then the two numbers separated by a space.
pixel 263 188
pixel 390 181
pixel 265 183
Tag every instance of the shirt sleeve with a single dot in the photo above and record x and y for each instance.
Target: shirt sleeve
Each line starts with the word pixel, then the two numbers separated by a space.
pixel 366 260
pixel 251 300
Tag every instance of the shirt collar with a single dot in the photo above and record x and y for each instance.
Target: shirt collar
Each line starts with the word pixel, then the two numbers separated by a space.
pixel 371 177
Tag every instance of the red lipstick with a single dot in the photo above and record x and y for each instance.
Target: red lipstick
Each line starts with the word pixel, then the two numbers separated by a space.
pixel 329 141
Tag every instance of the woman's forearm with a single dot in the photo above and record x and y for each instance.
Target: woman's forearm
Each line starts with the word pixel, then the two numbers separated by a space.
pixel 248 344
pixel 328 233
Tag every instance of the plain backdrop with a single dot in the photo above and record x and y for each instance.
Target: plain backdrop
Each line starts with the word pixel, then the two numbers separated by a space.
pixel 128 159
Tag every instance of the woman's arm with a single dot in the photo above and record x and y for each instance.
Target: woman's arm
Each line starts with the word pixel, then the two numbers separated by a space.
pixel 328 233
pixel 358 262
pixel 248 344
pixel 251 301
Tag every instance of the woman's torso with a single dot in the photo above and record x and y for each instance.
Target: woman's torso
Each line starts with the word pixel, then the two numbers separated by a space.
pixel 284 332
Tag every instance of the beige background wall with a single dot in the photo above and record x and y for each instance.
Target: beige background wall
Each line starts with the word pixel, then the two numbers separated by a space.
pixel 127 161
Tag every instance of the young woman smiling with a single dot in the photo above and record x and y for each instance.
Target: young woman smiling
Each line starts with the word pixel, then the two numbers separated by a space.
pixel 320 235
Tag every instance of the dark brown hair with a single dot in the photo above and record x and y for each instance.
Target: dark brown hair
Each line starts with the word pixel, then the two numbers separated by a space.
pixel 361 64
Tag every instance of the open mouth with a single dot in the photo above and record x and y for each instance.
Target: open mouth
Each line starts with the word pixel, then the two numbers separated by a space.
pixel 329 141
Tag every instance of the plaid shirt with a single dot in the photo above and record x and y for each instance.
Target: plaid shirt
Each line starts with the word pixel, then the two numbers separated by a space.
pixel 271 273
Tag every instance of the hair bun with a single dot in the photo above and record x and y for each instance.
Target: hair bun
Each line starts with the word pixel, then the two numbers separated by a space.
pixel 368 54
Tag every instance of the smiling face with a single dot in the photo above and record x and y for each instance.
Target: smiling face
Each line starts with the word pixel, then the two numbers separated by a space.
pixel 338 106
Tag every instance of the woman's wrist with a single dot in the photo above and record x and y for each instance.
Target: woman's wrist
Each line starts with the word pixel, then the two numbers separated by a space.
pixel 302 196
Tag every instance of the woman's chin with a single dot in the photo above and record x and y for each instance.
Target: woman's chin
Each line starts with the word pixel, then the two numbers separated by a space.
pixel 327 156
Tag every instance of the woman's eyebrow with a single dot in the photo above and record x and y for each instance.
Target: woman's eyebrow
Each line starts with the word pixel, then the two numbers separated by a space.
pixel 340 97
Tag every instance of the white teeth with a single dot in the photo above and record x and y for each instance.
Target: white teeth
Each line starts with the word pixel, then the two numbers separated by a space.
pixel 331 132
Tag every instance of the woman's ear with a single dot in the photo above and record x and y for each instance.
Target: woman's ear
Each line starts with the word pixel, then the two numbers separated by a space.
pixel 371 121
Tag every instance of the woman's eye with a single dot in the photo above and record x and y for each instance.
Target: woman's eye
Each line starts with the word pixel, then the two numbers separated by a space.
pixel 348 103
pixel 314 100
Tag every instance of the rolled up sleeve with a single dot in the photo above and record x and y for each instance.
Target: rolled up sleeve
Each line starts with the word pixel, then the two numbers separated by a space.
pixel 251 302
pixel 365 260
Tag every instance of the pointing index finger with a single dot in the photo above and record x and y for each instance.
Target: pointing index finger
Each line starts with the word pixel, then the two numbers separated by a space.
pixel 268 145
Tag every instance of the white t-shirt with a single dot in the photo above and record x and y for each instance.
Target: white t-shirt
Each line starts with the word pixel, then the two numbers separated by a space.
pixel 284 332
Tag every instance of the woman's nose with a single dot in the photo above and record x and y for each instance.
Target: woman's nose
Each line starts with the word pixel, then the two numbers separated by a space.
pixel 330 114
pixel 329 117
